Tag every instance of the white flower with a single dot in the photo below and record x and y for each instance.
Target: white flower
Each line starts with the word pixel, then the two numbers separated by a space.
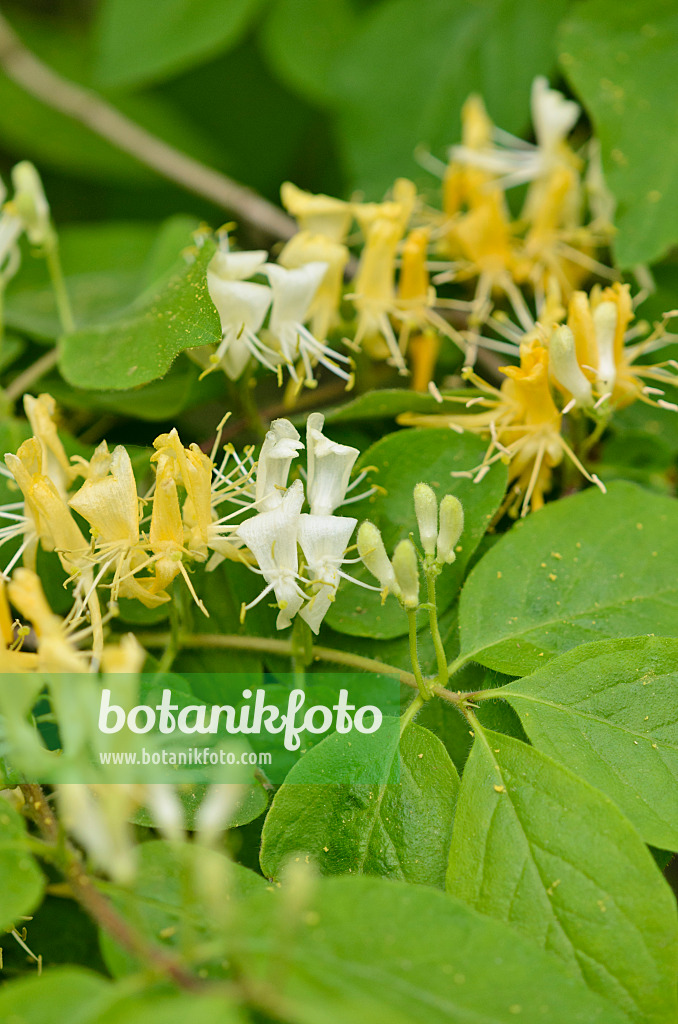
pixel 373 555
pixel 565 368
pixel 242 306
pixel 329 466
pixel 272 539
pixel 280 446
pixel 323 539
pixel 553 117
pixel 293 294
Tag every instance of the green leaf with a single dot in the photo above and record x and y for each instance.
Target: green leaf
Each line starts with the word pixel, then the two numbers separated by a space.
pixel 403 79
pixel 398 830
pixel 174 315
pixel 587 567
pixel 401 460
pixel 621 60
pixel 608 711
pixel 364 950
pixel 303 40
pixel 170 902
pixel 63 994
pixel 540 849
pixel 138 45
pixel 71 994
pixel 22 881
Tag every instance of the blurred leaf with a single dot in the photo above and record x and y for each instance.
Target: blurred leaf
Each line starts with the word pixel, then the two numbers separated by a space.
pixel 403 78
pixel 249 803
pixel 587 567
pixel 397 830
pixel 303 40
pixel 174 315
pixel 169 901
pixel 621 60
pixel 363 950
pixel 22 879
pixel 540 849
pixel 138 44
pixel 403 459
pixel 386 403
pixel 608 711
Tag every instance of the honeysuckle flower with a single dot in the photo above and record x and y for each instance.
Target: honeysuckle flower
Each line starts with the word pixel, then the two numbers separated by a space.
pixel 293 294
pixel 373 292
pixel 398 207
pixel 46 517
pixel 242 306
pixel 323 540
pixel 56 652
pixel 304 248
pixel 517 161
pixel 329 466
pixel 40 414
pixel 281 444
pixel 272 538
pixel 601 329
pixel 524 426
pixel 317 214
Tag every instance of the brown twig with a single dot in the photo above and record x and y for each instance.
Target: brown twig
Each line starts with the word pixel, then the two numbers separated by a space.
pixel 90 109
pixel 94 903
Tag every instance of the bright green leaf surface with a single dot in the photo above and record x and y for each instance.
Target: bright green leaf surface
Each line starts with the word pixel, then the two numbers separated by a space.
pixel 621 60
pixel 140 44
pixel 401 830
pixel 174 315
pixel 365 951
pixel 22 881
pixel 401 460
pixel 585 568
pixel 608 711
pixel 540 849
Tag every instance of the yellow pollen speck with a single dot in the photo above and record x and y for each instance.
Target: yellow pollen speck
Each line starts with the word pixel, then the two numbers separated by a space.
pixel 543 565
pixel 499 789
pixel 556 554
pixel 541 654
pixel 635 743
pixel 516 1008
pixel 578 544
pixel 639 526
pixel 654 746
pixel 552 576
pixel 602 906
pixel 646 718
pixel 654 196
pixel 498 575
pixel 420 755
pixel 618 157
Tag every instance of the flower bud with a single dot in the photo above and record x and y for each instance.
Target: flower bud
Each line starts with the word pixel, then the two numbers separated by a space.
pixel 566 369
pixel 31 203
pixel 406 570
pixel 373 553
pixel 426 509
pixel 451 527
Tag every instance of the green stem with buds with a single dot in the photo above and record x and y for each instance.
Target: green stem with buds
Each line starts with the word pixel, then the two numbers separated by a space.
pixel 424 690
pixel 431 571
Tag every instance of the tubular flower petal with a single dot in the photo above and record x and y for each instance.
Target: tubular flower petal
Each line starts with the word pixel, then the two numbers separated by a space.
pixel 317 214
pixel 373 554
pixel 281 444
pixel 329 468
pixel 323 540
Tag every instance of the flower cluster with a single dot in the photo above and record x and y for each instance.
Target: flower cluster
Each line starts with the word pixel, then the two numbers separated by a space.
pixel 579 362
pixel 196 510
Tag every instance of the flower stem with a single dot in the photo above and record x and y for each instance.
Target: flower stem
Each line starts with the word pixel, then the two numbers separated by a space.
pixel 410 711
pixel 414 656
pixel 431 573
pixel 63 302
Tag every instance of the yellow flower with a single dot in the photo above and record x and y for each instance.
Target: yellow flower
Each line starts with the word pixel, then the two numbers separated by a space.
pixel 317 214
pixel 524 427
